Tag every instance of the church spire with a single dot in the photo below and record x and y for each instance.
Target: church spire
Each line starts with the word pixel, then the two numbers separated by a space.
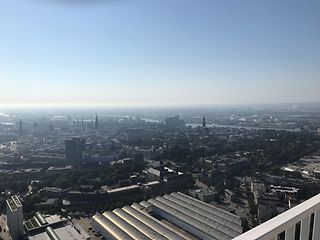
pixel 20 127
pixel 204 122
pixel 96 124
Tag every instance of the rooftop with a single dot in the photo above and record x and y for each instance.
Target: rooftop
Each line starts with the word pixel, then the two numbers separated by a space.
pixel 41 221
pixel 146 220
pixel 68 232
pixel 14 203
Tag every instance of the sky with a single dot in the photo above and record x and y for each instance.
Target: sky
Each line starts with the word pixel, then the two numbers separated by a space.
pixel 159 52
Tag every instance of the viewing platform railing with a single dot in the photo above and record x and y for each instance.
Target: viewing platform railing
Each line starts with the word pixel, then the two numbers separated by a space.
pixel 304 217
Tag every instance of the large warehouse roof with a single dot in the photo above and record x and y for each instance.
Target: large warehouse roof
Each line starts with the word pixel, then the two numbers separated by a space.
pixel 173 217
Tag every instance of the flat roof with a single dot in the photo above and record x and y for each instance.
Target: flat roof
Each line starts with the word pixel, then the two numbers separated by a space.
pixel 16 200
pixel 51 219
pixel 13 203
pixel 68 232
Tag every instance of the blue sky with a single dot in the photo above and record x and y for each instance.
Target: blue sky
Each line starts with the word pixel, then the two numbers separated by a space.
pixel 159 52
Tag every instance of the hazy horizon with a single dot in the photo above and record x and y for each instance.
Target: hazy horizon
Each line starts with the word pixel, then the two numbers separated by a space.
pixel 137 53
pixel 102 107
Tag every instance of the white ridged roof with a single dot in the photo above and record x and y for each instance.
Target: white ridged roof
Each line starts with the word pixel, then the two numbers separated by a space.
pixel 208 221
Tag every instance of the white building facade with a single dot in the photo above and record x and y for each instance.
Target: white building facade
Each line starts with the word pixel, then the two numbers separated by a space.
pixel 304 217
pixel 15 217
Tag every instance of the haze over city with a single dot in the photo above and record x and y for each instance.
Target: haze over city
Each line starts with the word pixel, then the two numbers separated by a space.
pixel 159 120
pixel 159 53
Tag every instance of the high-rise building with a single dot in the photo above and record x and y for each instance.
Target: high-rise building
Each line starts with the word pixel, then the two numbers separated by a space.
pixel 15 217
pixel 75 149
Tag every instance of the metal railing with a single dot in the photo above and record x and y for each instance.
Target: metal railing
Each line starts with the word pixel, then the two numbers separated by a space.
pixel 288 222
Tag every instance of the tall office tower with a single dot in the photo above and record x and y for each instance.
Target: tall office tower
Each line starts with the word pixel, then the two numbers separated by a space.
pixel 75 149
pixel 204 122
pixel 15 217
pixel 96 124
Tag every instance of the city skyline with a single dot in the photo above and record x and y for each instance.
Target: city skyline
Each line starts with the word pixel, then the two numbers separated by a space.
pixel 159 53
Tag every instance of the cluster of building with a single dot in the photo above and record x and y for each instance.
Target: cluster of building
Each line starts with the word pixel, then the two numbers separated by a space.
pixel 218 168
pixel 174 122
pixel 194 153
pixel 170 178
pixel 53 227
pixel 174 216
pixel 159 179
pixel 40 226
pixel 307 167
